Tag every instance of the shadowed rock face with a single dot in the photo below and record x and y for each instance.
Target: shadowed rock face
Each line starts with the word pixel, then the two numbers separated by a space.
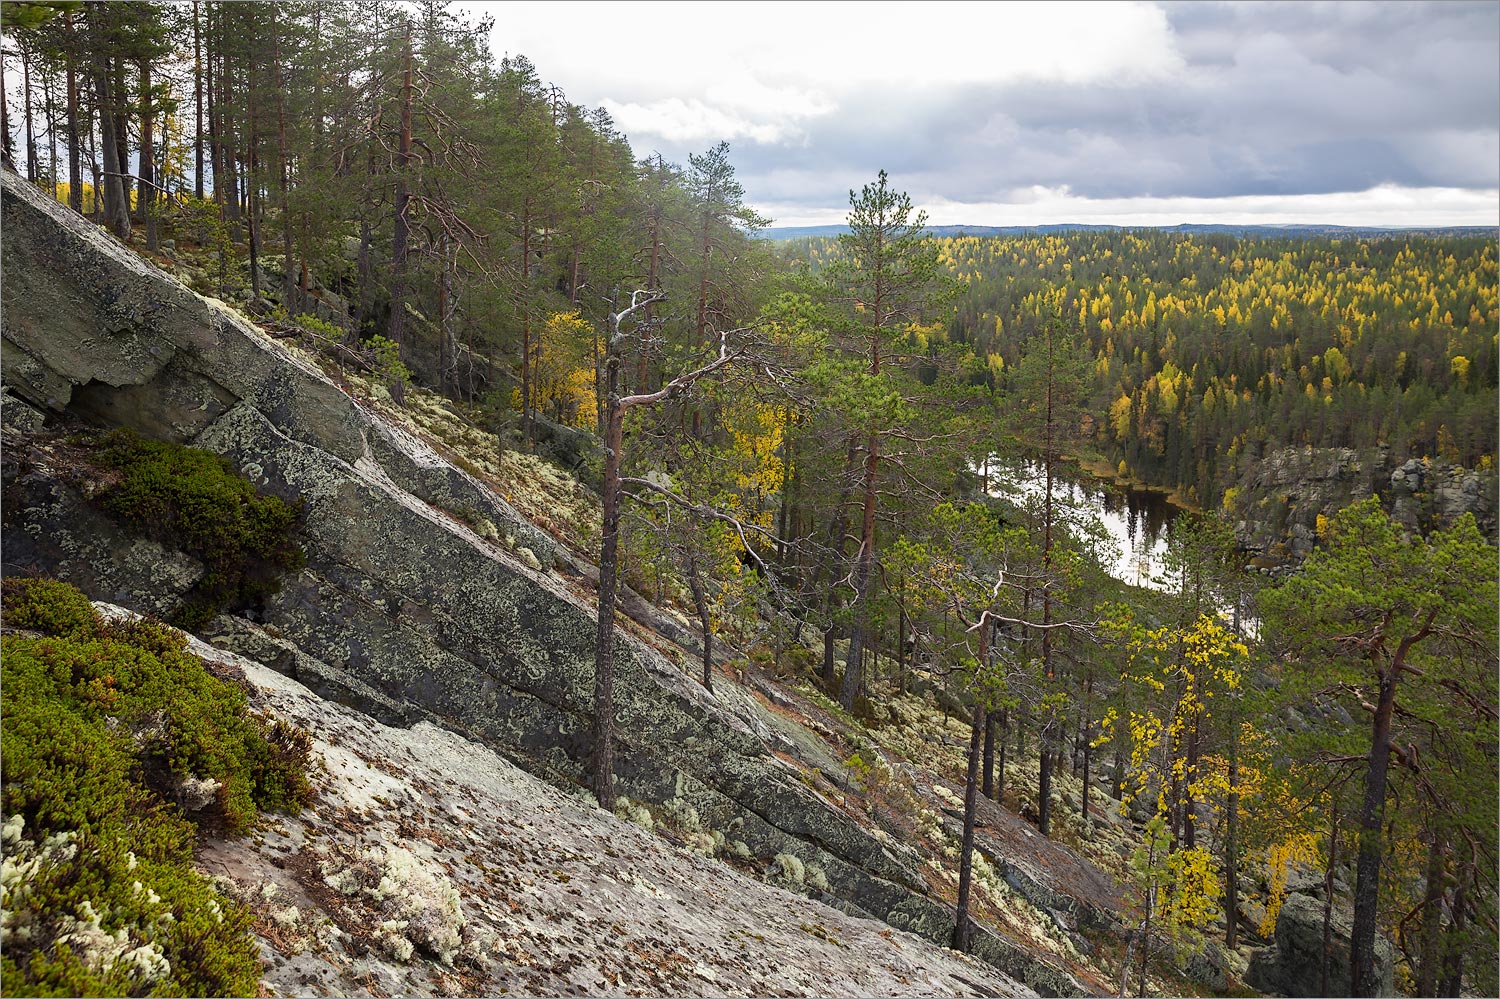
pixel 401 611
pixel 1282 496
pixel 1294 965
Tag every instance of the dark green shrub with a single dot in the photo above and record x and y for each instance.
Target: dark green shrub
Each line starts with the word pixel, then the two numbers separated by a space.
pixel 99 722
pixel 195 501
pixel 47 606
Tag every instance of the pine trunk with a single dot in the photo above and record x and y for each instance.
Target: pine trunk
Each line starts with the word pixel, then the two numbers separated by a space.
pixel 700 603
pixel 402 232
pixel 215 129
pixel 604 650
pixel 122 130
pixel 7 150
pixel 75 152
pixel 197 104
pixel 116 208
pixel 1362 978
pixel 364 317
pixel 252 185
pixel 528 429
pixel 1457 944
pixel 863 572
pixel 1000 763
pixel 1430 965
pixel 988 787
pixel 49 95
pixel 228 153
pixel 284 173
pixel 145 169
pixel 26 113
pixel 962 929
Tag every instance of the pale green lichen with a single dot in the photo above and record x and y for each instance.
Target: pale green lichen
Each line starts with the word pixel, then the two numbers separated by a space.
pixel 635 812
pixel 789 870
pixel 421 899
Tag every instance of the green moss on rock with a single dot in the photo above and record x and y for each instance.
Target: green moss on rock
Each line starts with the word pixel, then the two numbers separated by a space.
pixel 195 501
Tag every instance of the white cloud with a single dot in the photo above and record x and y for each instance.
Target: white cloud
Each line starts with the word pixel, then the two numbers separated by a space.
pixel 1385 205
pixel 664 69
pixel 689 121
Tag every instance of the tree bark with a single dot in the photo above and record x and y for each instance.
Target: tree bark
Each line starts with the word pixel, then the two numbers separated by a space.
pixel 145 165
pixel 1431 945
pixel 122 129
pixel 49 96
pixel 116 208
pixel 837 525
pixel 1333 859
pixel 1000 763
pixel 284 169
pixel 447 306
pixel 228 152
pixel 604 650
pixel 197 104
pixel 528 428
pixel 988 788
pixel 962 929
pixel 1457 945
pixel 863 571
pixel 252 182
pixel 31 172
pixel 215 129
pixel 1362 978
pixel 364 309
pixel 75 152
pixel 700 603
pixel 402 233
pixel 7 148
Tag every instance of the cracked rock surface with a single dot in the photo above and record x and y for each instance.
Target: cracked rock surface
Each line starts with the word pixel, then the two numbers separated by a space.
pixel 431 865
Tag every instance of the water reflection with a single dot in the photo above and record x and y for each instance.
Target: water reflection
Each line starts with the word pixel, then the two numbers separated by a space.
pixel 1135 520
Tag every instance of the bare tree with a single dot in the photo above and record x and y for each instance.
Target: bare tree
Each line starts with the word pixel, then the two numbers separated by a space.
pixel 616 407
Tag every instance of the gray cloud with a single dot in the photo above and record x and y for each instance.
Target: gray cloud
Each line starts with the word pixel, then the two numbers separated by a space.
pixel 1273 99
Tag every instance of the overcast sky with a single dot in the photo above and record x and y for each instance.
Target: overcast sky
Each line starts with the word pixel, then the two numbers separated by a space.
pixel 1008 114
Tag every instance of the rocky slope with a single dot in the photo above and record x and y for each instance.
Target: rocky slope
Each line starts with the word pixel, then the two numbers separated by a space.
pixel 428 602
pixel 432 865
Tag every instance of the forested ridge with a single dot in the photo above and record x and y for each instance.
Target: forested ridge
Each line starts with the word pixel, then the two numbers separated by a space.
pixel 783 440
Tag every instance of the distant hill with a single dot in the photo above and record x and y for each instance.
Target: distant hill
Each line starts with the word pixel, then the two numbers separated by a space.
pixel 778 233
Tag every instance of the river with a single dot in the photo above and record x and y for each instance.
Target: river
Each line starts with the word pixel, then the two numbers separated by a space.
pixel 1136 520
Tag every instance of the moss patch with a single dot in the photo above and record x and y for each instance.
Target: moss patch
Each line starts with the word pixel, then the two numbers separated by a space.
pixel 194 501
pixel 105 725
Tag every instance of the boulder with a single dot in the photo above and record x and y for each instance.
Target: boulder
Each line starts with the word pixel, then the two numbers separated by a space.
pixel 1209 967
pixel 1292 966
